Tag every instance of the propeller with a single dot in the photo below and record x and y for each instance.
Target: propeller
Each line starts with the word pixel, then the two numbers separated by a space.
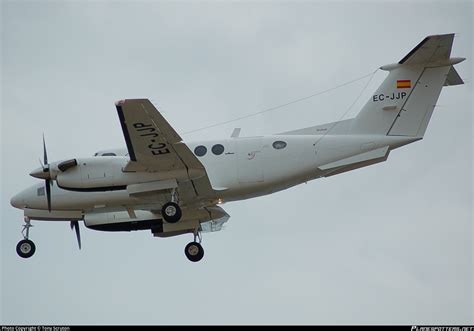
pixel 75 226
pixel 44 172
pixel 47 174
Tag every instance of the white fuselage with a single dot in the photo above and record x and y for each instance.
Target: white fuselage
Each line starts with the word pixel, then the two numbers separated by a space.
pixel 248 167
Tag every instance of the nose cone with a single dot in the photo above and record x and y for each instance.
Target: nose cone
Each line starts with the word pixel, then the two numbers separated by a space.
pixel 18 201
pixel 40 173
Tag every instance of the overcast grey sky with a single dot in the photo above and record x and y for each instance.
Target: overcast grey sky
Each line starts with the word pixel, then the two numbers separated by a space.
pixel 391 243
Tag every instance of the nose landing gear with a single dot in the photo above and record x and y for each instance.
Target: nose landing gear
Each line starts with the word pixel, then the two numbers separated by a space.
pixel 26 248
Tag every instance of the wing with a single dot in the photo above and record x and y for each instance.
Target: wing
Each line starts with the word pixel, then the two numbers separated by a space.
pixel 154 146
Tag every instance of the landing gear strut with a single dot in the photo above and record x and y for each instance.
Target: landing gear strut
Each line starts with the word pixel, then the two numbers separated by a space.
pixel 171 211
pixel 194 251
pixel 26 248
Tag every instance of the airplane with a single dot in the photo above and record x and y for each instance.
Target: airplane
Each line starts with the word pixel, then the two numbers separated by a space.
pixel 160 183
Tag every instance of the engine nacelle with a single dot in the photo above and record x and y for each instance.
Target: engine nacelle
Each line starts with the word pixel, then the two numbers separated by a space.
pixel 101 174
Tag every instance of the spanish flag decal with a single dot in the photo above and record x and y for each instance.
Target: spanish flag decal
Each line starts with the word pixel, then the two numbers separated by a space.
pixel 404 83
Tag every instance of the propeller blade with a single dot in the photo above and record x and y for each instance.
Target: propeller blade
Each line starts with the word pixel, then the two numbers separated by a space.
pixel 48 193
pixel 45 155
pixel 75 225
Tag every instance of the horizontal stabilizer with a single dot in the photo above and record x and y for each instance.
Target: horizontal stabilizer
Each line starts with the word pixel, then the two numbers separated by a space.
pixel 453 78
pixel 374 154
pixel 431 49
pixel 357 165
pixel 356 162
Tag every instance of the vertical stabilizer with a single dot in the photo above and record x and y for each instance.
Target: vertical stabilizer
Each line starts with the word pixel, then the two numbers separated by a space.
pixel 404 102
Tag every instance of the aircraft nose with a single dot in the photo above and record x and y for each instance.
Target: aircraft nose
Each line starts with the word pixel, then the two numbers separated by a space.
pixel 18 201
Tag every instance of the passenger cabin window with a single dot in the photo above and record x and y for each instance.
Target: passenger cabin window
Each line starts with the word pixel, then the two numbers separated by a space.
pixel 217 149
pixel 279 144
pixel 200 150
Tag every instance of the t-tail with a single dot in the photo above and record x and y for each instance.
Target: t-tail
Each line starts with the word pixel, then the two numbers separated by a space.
pixel 404 102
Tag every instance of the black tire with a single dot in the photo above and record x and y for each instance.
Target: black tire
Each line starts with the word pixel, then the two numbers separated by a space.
pixel 171 212
pixel 194 251
pixel 25 248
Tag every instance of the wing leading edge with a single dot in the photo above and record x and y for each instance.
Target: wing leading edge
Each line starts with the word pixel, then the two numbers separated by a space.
pixel 154 146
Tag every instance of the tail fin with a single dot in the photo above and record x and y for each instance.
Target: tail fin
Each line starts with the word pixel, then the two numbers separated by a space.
pixel 404 102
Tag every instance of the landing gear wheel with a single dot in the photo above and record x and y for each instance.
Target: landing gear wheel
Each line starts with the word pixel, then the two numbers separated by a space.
pixel 25 248
pixel 194 251
pixel 171 212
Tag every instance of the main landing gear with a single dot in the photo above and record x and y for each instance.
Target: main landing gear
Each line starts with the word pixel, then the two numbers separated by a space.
pixel 26 248
pixel 171 211
pixel 194 251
